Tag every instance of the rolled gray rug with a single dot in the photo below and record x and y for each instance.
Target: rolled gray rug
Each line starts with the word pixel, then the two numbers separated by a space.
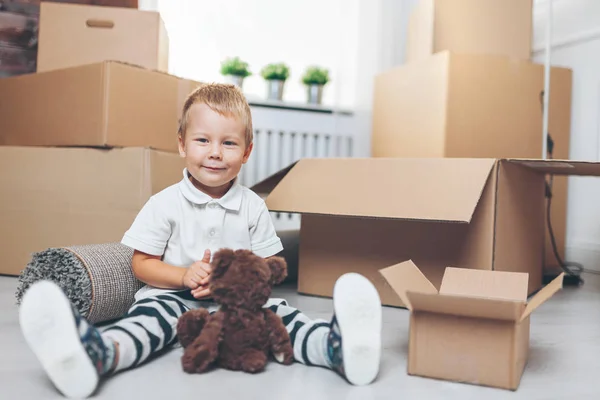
pixel 97 278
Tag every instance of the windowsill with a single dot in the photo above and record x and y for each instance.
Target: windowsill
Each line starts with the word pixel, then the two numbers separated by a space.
pixel 297 106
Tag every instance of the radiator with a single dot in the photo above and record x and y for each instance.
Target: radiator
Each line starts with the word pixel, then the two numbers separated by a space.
pixel 275 149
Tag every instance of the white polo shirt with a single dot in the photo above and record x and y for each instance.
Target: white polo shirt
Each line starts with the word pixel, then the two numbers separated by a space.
pixel 180 222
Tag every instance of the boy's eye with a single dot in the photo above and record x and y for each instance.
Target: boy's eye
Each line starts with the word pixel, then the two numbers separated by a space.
pixel 202 140
pixel 229 143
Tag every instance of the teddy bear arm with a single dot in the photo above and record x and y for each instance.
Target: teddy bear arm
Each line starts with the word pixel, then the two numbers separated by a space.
pixel 279 338
pixel 204 350
pixel 190 325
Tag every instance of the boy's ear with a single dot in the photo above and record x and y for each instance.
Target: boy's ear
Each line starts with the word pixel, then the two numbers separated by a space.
pixel 247 153
pixel 181 145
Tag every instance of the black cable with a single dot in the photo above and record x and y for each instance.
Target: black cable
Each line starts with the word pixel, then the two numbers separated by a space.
pixel 571 268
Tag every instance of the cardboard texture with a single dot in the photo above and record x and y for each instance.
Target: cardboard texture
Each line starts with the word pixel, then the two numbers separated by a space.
pixel 54 197
pixel 72 34
pixel 106 104
pixel 497 27
pixel 475 329
pixel 481 214
pixel 447 106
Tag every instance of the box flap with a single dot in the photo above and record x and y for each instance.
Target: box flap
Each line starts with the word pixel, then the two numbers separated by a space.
pixel 543 295
pixel 265 186
pixel 499 285
pixel 406 276
pixel 505 310
pixel 435 189
pixel 560 167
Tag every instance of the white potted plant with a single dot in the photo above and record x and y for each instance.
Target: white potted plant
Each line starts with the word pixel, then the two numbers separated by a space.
pixel 315 78
pixel 275 74
pixel 235 70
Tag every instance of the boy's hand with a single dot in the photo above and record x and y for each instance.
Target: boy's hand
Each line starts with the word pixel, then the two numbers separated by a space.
pixel 201 292
pixel 196 275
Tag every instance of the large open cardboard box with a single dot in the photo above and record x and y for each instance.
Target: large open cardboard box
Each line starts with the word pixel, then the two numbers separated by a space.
pixel 71 35
pixel 365 214
pixel 501 27
pixel 469 105
pixel 53 197
pixel 475 329
pixel 108 104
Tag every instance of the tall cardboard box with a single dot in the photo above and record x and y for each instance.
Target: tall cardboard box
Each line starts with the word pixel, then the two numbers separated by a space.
pixel 475 329
pixel 467 105
pixel 365 214
pixel 54 197
pixel 72 34
pixel 108 104
pixel 496 27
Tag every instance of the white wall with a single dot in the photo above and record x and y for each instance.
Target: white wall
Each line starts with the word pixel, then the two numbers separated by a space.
pixel 380 45
pixel 576 44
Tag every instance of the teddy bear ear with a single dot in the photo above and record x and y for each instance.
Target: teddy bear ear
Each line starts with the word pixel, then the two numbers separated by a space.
pixel 278 268
pixel 221 261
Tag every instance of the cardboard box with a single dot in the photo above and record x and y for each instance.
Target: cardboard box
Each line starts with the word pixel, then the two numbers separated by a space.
pixel 500 27
pixel 54 197
pixel 365 214
pixel 106 104
pixel 460 105
pixel 71 35
pixel 475 329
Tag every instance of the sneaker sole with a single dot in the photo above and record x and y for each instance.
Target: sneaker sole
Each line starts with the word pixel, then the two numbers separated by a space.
pixel 358 311
pixel 49 328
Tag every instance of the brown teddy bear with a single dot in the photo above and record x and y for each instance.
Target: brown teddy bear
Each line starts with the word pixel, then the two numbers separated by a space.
pixel 241 334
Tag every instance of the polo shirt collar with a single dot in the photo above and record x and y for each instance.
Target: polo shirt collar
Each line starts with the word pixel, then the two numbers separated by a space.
pixel 232 200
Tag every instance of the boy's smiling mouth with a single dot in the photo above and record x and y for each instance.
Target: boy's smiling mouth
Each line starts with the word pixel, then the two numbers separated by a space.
pixel 210 168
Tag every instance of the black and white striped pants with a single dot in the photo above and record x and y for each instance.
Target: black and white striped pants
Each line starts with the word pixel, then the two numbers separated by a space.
pixel 150 327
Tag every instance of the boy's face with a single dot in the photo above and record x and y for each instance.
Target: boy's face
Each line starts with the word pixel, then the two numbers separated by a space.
pixel 214 149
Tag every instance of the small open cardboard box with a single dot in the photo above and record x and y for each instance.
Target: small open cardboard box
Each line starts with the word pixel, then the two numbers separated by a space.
pixel 475 329
pixel 365 214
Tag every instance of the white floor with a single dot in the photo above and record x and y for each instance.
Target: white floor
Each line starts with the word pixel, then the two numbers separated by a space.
pixel 564 362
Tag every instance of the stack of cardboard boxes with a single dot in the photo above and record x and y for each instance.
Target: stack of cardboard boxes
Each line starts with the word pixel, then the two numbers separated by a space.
pixel 91 135
pixel 469 89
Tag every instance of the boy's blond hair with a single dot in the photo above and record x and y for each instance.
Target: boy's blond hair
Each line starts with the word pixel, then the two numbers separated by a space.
pixel 224 99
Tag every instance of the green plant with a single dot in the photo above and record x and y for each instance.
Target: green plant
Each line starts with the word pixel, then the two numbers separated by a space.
pixel 235 66
pixel 278 71
pixel 315 76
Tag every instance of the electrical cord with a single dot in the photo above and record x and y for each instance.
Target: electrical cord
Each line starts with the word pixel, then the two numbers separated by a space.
pixel 571 268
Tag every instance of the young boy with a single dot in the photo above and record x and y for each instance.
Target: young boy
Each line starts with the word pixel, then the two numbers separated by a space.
pixel 173 238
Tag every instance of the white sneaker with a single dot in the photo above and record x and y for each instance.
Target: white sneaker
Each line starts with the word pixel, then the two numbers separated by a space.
pixel 63 341
pixel 354 340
